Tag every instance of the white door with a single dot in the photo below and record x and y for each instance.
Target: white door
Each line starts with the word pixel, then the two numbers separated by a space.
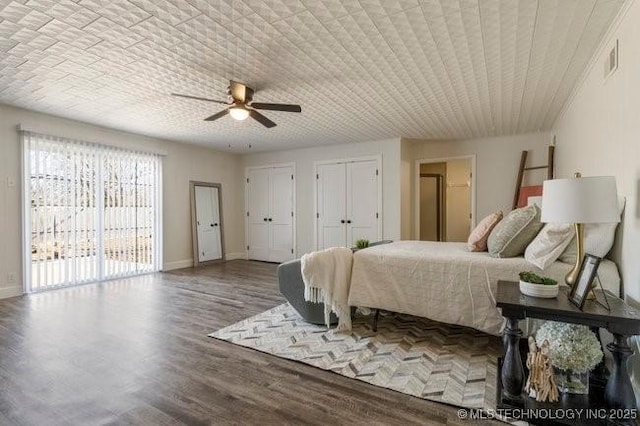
pixel 281 214
pixel 217 229
pixel 458 200
pixel 331 215
pixel 362 201
pixel 258 209
pixel 208 223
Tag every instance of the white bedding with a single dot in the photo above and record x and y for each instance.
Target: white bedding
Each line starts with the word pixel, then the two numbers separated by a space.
pixel 444 281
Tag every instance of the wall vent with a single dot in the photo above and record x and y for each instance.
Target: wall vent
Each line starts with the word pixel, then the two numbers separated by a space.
pixel 611 61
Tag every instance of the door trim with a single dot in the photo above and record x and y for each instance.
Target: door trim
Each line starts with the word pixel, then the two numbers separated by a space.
pixel 316 164
pixel 416 189
pixel 293 201
pixel 194 226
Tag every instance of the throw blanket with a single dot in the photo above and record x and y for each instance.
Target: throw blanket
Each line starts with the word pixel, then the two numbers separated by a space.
pixel 326 275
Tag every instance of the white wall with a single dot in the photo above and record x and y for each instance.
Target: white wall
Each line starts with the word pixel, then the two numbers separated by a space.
pixel 305 182
pixel 497 161
pixel 599 134
pixel 182 163
pixel 406 190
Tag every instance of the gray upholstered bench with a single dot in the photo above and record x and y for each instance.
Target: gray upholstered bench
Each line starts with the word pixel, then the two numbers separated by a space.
pixel 292 288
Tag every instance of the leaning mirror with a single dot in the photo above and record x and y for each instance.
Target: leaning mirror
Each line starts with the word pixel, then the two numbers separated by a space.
pixel 206 222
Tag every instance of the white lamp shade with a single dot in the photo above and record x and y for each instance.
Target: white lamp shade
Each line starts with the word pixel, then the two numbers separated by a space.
pixel 239 113
pixel 580 200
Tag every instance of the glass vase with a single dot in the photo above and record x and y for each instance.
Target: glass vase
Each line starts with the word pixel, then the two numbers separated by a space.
pixel 570 381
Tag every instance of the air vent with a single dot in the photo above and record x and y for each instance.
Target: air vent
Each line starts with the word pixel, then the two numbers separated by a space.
pixel 611 61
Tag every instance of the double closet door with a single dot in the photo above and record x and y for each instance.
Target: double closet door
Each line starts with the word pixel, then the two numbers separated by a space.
pixel 348 195
pixel 270 213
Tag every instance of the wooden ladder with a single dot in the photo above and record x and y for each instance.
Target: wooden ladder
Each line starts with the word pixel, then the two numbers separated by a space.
pixel 524 168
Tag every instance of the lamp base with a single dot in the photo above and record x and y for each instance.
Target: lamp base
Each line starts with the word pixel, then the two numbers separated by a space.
pixel 572 277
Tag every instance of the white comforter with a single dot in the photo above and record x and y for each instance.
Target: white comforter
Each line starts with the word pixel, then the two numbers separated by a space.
pixel 444 281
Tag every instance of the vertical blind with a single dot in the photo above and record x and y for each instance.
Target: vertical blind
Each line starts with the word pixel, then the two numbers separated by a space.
pixel 91 212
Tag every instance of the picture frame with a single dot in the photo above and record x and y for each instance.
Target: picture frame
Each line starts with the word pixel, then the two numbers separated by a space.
pixel 584 283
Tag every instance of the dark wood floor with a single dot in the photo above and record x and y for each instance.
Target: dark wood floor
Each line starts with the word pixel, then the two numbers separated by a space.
pixel 136 351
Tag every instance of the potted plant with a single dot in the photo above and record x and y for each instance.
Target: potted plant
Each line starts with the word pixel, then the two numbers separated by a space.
pixel 534 285
pixel 574 350
pixel 362 243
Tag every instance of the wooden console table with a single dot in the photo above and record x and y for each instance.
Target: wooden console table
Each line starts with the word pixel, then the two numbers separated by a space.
pixel 622 321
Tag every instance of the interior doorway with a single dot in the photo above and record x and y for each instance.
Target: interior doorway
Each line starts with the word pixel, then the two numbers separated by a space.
pixel 445 199
pixel 432 206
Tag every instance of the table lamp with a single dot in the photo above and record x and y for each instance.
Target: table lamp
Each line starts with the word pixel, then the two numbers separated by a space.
pixel 579 200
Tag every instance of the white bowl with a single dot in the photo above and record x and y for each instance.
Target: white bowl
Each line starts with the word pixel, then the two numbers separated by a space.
pixel 539 290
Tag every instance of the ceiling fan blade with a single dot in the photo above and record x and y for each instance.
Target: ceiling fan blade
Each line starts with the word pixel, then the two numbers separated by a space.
pixel 199 98
pixel 238 91
pixel 261 118
pixel 276 107
pixel 217 115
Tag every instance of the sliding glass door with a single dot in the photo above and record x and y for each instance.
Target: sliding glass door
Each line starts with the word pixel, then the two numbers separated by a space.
pixel 130 183
pixel 91 212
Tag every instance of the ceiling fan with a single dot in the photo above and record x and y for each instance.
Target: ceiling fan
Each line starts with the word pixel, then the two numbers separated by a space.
pixel 240 105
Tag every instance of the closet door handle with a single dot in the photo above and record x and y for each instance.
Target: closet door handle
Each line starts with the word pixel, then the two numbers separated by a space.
pixel 265 219
pixel 270 219
pixel 348 221
pixel 342 221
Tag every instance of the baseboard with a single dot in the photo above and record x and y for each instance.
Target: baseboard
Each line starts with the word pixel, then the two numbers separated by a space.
pixel 178 264
pixel 236 256
pixel 10 292
pixel 188 263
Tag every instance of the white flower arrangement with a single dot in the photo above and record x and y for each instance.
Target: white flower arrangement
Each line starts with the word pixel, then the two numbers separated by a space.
pixel 571 347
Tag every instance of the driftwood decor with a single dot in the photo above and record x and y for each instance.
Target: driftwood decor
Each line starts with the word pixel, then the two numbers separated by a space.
pixel 541 383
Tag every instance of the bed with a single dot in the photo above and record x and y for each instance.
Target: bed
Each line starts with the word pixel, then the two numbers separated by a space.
pixel 445 282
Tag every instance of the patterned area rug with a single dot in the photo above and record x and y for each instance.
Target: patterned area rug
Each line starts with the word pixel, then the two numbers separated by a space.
pixel 430 360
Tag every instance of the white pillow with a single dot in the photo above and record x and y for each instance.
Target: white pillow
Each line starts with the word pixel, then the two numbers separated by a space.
pixel 598 241
pixel 549 244
pixel 598 238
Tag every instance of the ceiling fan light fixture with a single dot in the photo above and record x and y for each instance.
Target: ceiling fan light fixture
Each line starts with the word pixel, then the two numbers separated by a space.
pixel 238 102
pixel 239 113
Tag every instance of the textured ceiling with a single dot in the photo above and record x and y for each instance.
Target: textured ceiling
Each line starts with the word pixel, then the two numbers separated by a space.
pixel 360 69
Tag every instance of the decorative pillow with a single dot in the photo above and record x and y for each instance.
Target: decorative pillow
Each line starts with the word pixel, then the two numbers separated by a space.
pixel 478 238
pixel 598 238
pixel 549 244
pixel 514 233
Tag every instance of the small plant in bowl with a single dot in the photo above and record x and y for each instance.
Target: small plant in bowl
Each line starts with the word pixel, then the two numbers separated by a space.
pixel 532 278
pixel 534 285
pixel 360 244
